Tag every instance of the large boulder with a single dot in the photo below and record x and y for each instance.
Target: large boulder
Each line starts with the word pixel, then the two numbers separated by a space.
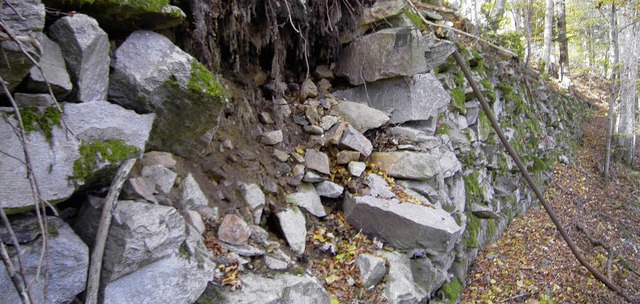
pixel 281 289
pixel 151 74
pixel 361 116
pixel 391 53
pixel 414 98
pixel 67 266
pixel 24 18
pixel 404 225
pixel 85 47
pixel 124 15
pixel 54 70
pixel 400 287
pixel 66 156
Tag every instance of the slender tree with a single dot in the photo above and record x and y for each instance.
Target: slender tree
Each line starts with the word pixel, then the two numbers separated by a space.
pixel 548 35
pixel 615 54
pixel 628 85
pixel 563 43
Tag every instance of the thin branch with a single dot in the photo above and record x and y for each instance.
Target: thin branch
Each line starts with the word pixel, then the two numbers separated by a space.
pixel 22 287
pixel 93 279
pixel 497 47
pixel 525 173
pixel 595 242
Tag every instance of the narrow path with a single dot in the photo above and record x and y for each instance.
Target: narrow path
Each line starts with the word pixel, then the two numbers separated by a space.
pixel 532 264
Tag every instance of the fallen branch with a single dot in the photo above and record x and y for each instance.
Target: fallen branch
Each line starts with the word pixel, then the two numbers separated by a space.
pixel 93 279
pixel 520 298
pixel 525 173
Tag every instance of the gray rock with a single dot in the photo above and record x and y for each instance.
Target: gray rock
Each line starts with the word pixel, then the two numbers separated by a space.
pixel 345 157
pixel 88 123
pixel 329 189
pixel 381 11
pixel 379 187
pixel 361 116
pixel 25 100
pixel 68 263
pixel 164 159
pixel 244 250
pixel 457 192
pixel 473 110
pixel 281 289
pixel 135 189
pixel 308 89
pixel 52 162
pixel 311 176
pixel 54 69
pixel 307 198
pixel 391 53
pixel 272 137
pixel 403 225
pixel 317 160
pixel 353 139
pixel 484 212
pixel 179 278
pixel 194 219
pixel 27 17
pixel 400 287
pixel 293 227
pixel 85 47
pixel 428 275
pixel 417 165
pixel 151 74
pixel 418 97
pixel 275 264
pixel 234 230
pixel 192 195
pixel 356 168
pixel 313 130
pixel 372 269
pixel 255 199
pixel 140 234
pixel 323 71
pixel 159 179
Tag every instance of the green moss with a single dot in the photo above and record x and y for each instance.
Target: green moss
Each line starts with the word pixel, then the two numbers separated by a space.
pixel 91 155
pixel 52 230
pixel 459 99
pixel 203 82
pixel 35 119
pixel 505 88
pixel 473 190
pixel 452 290
pixel 472 231
pixel 485 125
pixel 459 79
pixel 415 18
pixel 491 228
pixel 297 270
pixel 539 164
pixel 443 128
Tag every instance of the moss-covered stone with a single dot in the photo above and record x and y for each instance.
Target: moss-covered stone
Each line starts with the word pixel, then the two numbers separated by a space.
pixel 473 191
pixel 94 154
pixel 124 15
pixel 203 82
pixel 472 231
pixel 37 119
pixel 452 290
pixel 458 100
pixel 415 18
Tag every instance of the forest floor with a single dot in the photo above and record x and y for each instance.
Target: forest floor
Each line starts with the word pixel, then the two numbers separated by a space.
pixel 531 263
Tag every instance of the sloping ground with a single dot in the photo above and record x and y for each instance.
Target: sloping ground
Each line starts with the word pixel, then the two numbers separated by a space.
pixel 532 264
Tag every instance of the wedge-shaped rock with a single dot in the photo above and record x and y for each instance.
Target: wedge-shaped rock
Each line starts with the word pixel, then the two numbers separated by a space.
pixel 85 47
pixel 308 198
pixel 414 98
pixel 391 53
pixel 404 225
pixel 400 287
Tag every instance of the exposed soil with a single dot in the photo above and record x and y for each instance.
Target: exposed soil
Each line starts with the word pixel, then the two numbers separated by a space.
pixel 531 263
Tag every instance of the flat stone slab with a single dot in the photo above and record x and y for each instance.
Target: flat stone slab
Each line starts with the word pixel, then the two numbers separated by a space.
pixel 404 225
pixel 417 165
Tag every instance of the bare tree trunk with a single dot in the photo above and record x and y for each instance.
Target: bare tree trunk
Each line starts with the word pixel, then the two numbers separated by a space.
pixel 548 36
pixel 614 46
pixel 563 61
pixel 628 89
pixel 495 16
pixel 528 7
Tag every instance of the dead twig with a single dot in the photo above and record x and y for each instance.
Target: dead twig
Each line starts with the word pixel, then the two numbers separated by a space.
pixel 595 242
pixel 93 279
pixel 521 297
